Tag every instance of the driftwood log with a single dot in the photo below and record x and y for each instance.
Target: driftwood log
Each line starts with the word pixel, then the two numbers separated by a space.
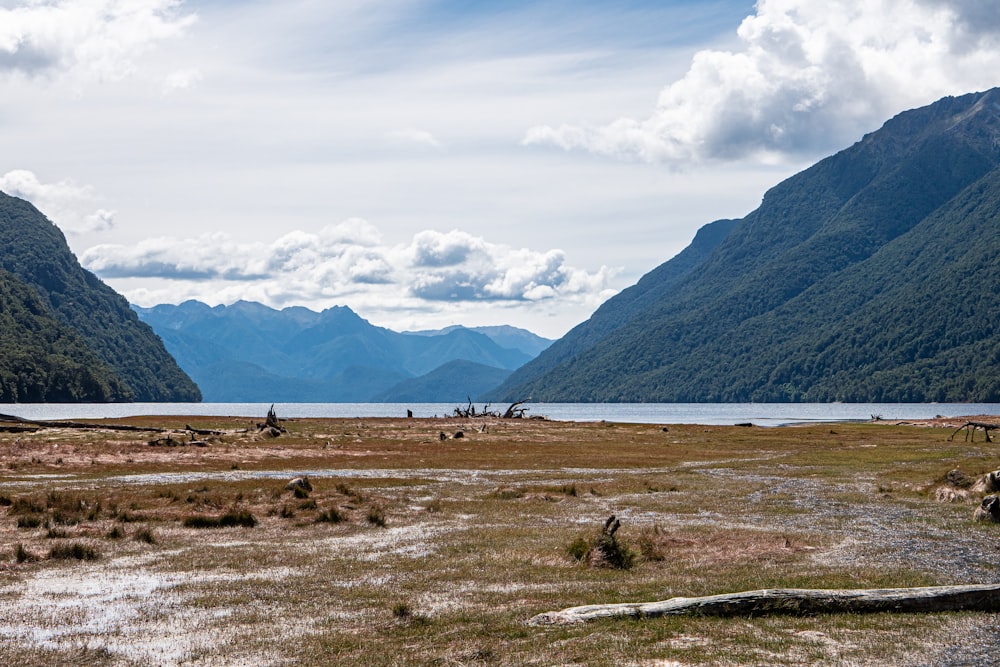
pixel 971 428
pixel 33 425
pixel 799 601
pixel 515 411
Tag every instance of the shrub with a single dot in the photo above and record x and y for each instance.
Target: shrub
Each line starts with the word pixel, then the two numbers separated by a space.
pixel 609 552
pixel 76 550
pixel 30 521
pixel 578 548
pixel 56 533
pixel 401 610
pixel 605 550
pixel 116 533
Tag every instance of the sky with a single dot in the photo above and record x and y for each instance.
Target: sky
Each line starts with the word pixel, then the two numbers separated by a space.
pixel 439 162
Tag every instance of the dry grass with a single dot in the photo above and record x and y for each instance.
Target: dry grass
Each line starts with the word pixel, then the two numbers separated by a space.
pixel 413 550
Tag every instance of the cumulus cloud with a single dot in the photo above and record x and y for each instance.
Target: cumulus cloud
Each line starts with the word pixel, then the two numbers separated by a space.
pixel 99 38
pixel 349 258
pixel 65 203
pixel 810 77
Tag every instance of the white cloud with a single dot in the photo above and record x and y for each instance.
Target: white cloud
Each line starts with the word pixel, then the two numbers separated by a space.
pixel 810 77
pixel 68 205
pixel 341 260
pixel 96 38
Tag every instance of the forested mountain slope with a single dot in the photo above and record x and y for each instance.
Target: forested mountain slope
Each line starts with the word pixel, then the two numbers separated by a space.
pixel 66 335
pixel 870 276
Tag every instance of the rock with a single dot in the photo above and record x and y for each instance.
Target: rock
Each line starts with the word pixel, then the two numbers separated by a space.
pixel 950 494
pixel 299 483
pixel 988 483
pixel 988 510
pixel 958 478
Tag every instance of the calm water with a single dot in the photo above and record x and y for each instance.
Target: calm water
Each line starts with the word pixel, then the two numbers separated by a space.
pixel 761 414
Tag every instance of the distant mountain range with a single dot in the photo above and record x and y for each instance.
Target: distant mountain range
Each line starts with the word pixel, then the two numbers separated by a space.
pixel 248 352
pixel 872 276
pixel 64 335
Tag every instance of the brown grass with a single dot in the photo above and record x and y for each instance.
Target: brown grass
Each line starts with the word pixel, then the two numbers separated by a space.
pixel 413 550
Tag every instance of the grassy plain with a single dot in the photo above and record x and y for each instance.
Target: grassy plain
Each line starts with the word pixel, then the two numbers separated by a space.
pixel 417 550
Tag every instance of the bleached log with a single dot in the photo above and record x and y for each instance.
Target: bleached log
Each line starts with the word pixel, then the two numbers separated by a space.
pixel 798 601
pixel 970 430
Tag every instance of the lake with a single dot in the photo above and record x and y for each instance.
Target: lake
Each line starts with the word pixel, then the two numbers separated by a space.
pixel 761 414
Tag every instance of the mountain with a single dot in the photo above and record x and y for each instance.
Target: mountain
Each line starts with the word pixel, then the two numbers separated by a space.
pixel 250 352
pixel 874 275
pixel 504 336
pixel 454 381
pixel 66 335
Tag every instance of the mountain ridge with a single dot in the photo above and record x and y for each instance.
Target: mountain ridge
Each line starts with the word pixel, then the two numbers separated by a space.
pixel 248 351
pixel 715 334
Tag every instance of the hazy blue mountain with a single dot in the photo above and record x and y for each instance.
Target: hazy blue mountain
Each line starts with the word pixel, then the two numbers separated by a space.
pixel 454 381
pixel 871 276
pixel 505 336
pixel 250 352
pixel 66 336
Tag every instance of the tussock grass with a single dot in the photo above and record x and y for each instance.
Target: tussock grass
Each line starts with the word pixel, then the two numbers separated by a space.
pixel 74 551
pixel 145 535
pixel 332 515
pixel 376 516
pixel 241 518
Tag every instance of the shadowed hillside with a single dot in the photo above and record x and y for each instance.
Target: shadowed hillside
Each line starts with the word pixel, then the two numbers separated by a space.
pixel 66 335
pixel 871 276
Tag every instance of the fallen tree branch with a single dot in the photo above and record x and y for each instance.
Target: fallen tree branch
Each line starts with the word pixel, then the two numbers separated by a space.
pixel 971 430
pixel 31 424
pixel 979 597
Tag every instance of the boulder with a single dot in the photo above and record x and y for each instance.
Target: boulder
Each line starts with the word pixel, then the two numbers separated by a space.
pixel 301 483
pixel 988 483
pixel 988 510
